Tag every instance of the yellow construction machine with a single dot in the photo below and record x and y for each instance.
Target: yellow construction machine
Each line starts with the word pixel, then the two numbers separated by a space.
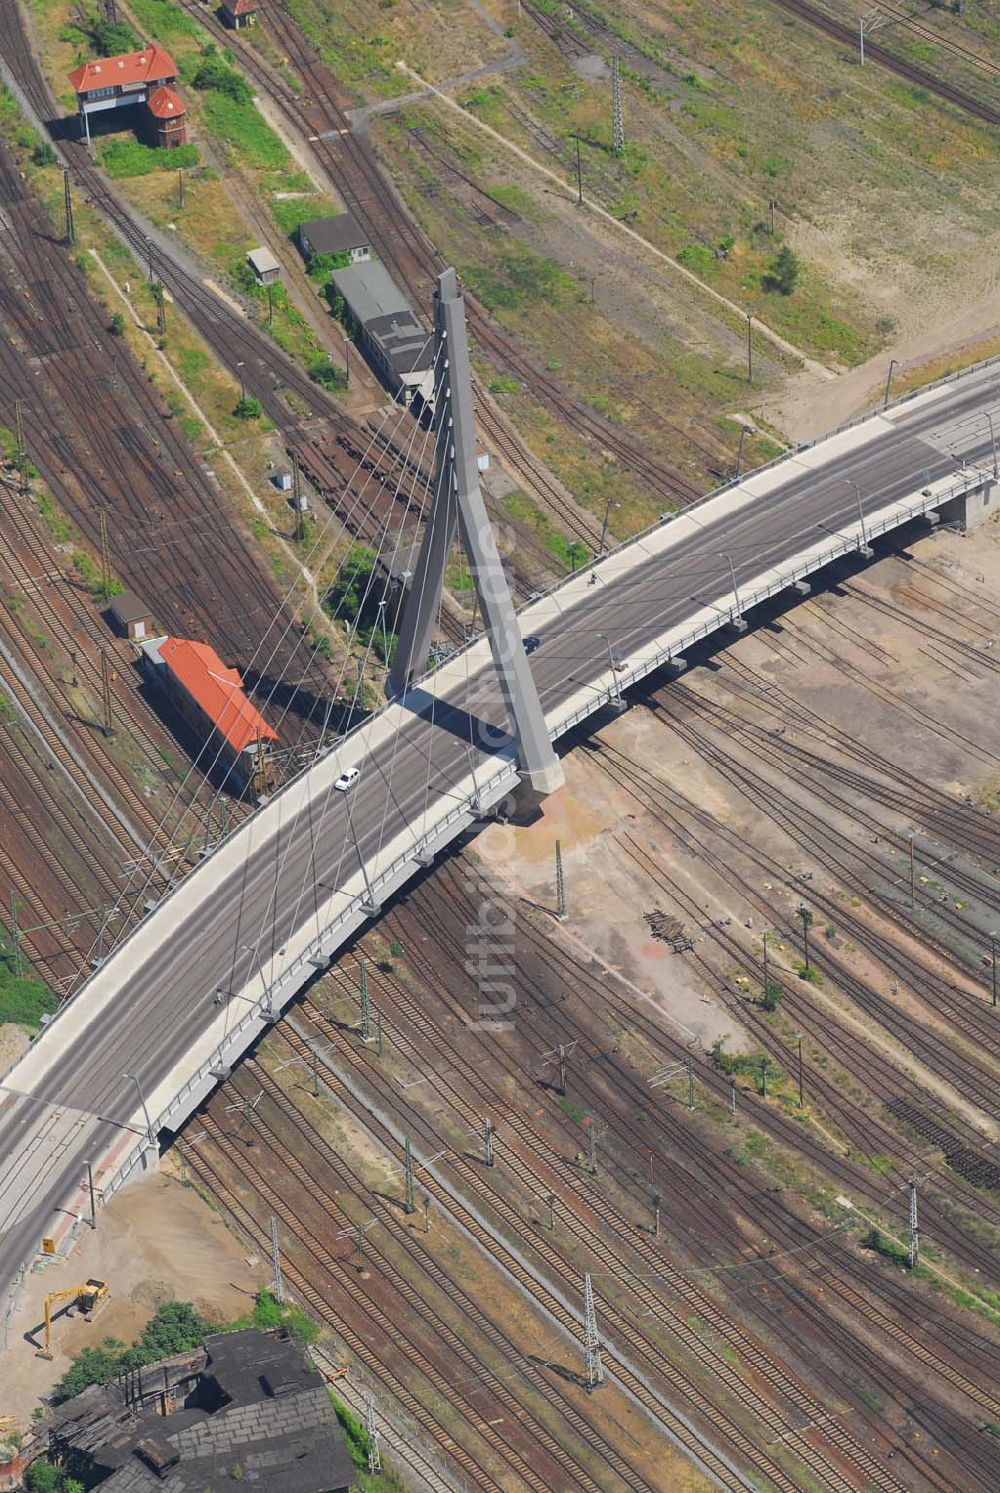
pixel 87 1299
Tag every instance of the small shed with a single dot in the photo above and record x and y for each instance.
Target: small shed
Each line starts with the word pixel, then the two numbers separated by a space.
pixel 265 266
pixel 239 14
pixel 282 481
pixel 130 617
pixel 339 234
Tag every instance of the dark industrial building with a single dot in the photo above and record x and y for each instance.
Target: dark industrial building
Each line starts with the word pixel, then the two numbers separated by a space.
pixel 339 234
pixel 245 1409
pixel 388 333
pixel 144 77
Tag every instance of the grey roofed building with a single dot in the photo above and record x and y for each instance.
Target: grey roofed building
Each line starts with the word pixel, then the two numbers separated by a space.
pixel 254 1412
pixel 393 340
pixel 339 234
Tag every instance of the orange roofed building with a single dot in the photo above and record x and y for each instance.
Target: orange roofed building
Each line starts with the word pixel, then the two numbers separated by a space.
pixel 212 701
pixel 143 77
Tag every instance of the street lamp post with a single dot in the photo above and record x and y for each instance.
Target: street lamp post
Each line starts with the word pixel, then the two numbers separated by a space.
pixel 615 692
pixel 736 589
pixel 611 503
pixel 243 387
pixel 861 516
pixel 993 443
pixel 913 877
pixel 893 363
pixel 993 948
pixel 150 1132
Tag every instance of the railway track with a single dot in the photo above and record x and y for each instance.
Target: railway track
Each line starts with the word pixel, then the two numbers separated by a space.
pixel 690 1194
pixel 402 1005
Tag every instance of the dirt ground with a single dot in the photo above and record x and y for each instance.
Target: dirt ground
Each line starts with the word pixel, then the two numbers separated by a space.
pixel 156 1241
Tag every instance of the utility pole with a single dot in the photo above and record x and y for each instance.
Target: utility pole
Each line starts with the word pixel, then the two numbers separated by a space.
pixel 105 555
pixel 22 457
pixel 732 1096
pixel 270 302
pixel 690 1082
pixel 425 1202
pixel 371 1432
pixel 749 348
pixel 763 1075
pixel 765 966
pixel 560 884
pixel 277 1284
pixel 562 1068
pixel 68 201
pixel 913 879
pixel 15 934
pixel 408 1204
pixel 770 207
pixel 489 1153
pixel 807 918
pixel 870 22
pixel 366 1005
pixel 149 255
pixel 378 1032
pixel 579 175
pixel 739 452
pixel 161 310
pixel 593 1367
pixel 657 1204
pixel 592 1145
pixel 799 1034
pixel 993 962
pixel 618 125
pixel 551 1200
pixel 914 1226
pixel 109 725
pixel 300 522
pixel 180 187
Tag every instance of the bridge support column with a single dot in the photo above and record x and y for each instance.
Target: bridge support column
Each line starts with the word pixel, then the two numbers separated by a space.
pixel 973 507
pixel 458 503
pixel 802 587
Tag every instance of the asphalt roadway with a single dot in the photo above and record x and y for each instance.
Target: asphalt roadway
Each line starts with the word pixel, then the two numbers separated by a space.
pixel 43 1149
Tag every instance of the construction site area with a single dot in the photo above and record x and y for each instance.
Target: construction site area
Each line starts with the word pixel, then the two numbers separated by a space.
pixel 647 1141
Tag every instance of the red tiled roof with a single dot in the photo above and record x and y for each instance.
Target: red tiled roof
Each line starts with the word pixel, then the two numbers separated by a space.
pixel 151 65
pixel 200 671
pixel 165 104
pixel 241 7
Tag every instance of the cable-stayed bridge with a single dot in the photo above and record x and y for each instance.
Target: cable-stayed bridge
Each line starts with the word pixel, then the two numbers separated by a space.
pixel 170 1010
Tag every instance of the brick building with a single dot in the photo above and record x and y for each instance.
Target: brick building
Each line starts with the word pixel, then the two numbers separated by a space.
pixel 210 698
pixel 142 78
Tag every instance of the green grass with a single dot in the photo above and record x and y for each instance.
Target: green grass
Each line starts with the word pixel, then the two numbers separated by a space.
pixel 246 136
pixel 519 279
pixel 23 999
pixel 123 157
pixel 163 21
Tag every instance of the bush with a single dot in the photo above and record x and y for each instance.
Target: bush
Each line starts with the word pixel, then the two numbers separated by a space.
pixel 116 326
pixel 216 74
pixel 113 37
pixel 174 1328
pixel 43 154
pixel 248 408
pixel 269 1312
pixel 324 373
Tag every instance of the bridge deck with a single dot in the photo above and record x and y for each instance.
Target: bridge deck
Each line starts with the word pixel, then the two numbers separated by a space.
pixel 293 869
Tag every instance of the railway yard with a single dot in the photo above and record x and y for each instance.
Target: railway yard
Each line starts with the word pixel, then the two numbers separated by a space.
pixel 757 1042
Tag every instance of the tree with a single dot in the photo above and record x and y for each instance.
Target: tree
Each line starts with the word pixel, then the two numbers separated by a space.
pixel 773 995
pixel 43 154
pixel 248 408
pixel 42 1477
pixel 807 919
pixel 113 37
pixel 92 1366
pixel 783 272
pixel 577 553
pixel 116 326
